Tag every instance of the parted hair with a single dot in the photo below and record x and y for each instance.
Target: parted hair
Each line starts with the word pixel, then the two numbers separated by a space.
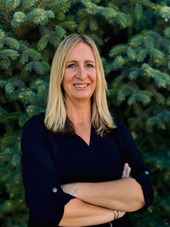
pixel 56 118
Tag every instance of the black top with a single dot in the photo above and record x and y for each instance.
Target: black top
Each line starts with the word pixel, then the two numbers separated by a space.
pixel 50 160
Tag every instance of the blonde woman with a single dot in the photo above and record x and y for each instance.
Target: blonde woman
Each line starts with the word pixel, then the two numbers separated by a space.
pixel 80 164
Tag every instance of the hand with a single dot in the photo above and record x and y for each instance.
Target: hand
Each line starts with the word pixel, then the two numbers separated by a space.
pixel 118 214
pixel 126 171
pixel 69 188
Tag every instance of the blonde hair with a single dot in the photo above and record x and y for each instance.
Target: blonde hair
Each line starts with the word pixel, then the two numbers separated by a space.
pixel 56 117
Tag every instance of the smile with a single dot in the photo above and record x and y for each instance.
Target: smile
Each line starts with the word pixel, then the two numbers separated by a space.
pixel 81 85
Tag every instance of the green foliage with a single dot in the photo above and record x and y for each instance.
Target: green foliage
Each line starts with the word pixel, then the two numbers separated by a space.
pixel 134 40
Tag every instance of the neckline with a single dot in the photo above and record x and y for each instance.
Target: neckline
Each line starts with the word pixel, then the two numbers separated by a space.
pixel 90 140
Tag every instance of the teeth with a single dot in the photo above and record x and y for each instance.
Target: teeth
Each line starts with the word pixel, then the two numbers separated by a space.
pixel 80 85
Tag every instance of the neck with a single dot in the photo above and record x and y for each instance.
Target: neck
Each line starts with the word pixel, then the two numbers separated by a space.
pixel 79 114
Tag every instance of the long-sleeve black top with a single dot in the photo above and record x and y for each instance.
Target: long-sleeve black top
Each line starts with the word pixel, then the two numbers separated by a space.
pixel 49 160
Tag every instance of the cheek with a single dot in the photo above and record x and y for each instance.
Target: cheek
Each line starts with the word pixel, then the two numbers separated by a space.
pixel 65 84
pixel 94 79
pixel 93 75
pixel 66 79
pixel 68 76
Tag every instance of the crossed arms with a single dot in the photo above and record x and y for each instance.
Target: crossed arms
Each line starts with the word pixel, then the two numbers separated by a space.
pixel 97 203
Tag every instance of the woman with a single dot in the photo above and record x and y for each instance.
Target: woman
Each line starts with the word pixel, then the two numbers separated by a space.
pixel 77 158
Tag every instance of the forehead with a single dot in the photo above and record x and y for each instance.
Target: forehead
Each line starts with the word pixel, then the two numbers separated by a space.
pixel 81 51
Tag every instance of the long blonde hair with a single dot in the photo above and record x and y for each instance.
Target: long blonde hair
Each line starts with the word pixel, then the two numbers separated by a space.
pixel 56 117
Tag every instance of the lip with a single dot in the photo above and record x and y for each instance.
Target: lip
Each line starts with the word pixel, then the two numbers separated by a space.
pixel 78 85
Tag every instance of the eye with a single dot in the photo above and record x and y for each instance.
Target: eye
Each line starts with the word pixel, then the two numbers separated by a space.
pixel 90 65
pixel 72 65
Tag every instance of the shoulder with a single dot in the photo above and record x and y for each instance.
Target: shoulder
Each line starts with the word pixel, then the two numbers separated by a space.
pixel 121 127
pixel 34 131
pixel 35 123
pixel 118 122
pixel 35 120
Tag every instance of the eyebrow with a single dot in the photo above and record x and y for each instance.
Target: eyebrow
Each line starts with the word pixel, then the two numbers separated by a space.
pixel 77 61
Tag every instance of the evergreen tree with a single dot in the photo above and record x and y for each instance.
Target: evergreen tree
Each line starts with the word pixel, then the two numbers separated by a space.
pixel 134 39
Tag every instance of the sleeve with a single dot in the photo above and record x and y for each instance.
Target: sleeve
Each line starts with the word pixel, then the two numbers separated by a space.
pixel 131 155
pixel 43 194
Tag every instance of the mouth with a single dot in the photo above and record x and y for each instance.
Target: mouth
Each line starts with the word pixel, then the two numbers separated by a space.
pixel 81 85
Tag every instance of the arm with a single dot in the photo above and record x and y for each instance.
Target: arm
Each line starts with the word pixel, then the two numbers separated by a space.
pixel 79 213
pixel 124 194
pixel 43 194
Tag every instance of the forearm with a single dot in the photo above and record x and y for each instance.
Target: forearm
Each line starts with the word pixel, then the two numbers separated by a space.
pixel 124 194
pixel 79 213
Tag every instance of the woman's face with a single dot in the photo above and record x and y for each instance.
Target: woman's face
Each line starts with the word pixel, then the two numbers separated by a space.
pixel 79 80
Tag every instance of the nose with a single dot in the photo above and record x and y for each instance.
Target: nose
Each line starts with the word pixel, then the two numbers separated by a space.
pixel 81 74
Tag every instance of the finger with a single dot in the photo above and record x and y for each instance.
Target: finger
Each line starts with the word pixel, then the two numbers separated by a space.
pixel 126 170
pixel 126 165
